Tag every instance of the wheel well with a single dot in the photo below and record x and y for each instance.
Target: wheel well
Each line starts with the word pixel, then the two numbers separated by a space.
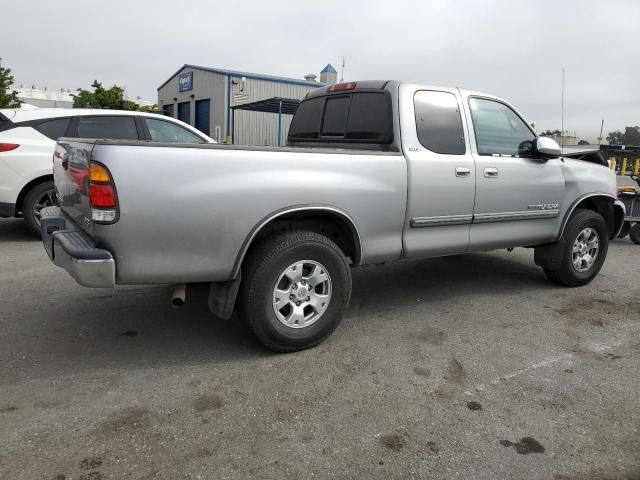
pixel 27 188
pixel 333 225
pixel 602 204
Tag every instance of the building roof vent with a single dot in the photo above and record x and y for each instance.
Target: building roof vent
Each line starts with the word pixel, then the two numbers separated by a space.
pixel 310 77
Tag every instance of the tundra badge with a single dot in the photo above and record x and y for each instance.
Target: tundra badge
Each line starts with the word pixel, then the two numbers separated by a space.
pixel 543 206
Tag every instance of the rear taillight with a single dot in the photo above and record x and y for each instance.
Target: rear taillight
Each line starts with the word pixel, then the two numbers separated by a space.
pixel 7 147
pixel 102 194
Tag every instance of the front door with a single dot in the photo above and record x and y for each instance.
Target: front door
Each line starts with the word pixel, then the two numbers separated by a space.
pixel 441 173
pixel 518 196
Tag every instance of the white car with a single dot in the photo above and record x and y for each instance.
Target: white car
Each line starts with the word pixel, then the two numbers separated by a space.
pixel 28 138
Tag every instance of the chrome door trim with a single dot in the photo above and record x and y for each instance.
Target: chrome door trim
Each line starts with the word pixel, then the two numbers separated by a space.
pixel 463 171
pixel 441 221
pixel 491 172
pixel 509 216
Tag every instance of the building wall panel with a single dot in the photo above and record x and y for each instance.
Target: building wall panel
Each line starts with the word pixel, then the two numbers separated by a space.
pixel 259 128
pixel 247 128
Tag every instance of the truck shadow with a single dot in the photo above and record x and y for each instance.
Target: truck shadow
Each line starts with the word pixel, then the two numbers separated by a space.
pixel 402 284
pixel 71 328
pixel 15 230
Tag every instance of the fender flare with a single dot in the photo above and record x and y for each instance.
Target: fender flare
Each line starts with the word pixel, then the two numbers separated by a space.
pixel 617 205
pixel 294 209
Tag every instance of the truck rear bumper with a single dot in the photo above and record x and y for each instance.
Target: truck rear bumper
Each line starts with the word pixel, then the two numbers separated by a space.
pixel 73 250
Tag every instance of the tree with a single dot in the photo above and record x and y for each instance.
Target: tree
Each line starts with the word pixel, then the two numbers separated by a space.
pixel 100 97
pixel 8 96
pixel 583 142
pixel 631 136
pixel 550 133
pixel 149 109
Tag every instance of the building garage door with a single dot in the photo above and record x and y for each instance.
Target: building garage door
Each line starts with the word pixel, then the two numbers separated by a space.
pixel 184 112
pixel 202 115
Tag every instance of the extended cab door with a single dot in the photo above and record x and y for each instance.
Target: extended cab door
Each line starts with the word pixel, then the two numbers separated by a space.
pixel 441 172
pixel 518 196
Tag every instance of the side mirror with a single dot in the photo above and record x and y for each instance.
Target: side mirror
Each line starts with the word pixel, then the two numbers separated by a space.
pixel 545 147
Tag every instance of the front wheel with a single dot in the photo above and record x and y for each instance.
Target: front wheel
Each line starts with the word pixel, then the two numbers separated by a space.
pixel 296 287
pixel 40 196
pixel 586 239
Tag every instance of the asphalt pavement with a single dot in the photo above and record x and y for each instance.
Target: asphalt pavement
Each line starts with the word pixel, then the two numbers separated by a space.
pixel 467 367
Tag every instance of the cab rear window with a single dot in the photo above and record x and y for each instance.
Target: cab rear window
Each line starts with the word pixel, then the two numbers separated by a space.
pixel 346 118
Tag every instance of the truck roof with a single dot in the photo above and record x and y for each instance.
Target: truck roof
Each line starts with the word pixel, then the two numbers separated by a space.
pixel 391 85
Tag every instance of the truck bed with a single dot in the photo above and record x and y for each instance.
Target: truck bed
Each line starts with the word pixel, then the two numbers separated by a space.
pixel 187 211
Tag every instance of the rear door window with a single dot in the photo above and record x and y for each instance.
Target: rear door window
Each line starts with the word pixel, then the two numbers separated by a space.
pixel 438 122
pixel 53 129
pixel 109 127
pixel 162 131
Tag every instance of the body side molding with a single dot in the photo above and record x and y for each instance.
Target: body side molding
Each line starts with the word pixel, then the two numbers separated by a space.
pixel 447 220
pixel 509 216
pixel 441 221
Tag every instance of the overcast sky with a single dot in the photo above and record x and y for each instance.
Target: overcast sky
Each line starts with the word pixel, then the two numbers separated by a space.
pixel 512 48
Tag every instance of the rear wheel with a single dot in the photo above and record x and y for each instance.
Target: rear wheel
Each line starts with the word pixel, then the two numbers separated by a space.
pixel 40 196
pixel 634 234
pixel 296 287
pixel 586 239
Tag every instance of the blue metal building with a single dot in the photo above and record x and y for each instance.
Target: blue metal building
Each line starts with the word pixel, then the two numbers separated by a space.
pixel 211 99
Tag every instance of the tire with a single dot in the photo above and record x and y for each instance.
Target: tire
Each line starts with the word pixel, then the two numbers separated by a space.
pixel 574 235
pixel 626 226
pixel 40 196
pixel 634 234
pixel 276 262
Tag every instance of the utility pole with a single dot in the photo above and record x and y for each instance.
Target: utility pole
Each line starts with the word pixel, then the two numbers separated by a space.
pixel 601 127
pixel 342 71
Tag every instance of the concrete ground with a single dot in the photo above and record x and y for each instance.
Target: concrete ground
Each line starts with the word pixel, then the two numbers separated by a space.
pixel 470 367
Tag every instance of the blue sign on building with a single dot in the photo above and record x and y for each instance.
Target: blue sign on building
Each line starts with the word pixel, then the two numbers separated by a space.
pixel 185 82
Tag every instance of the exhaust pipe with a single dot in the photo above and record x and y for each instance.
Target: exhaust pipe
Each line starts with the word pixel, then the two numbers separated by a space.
pixel 178 295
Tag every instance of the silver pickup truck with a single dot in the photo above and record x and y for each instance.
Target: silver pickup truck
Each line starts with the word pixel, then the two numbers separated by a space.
pixel 374 171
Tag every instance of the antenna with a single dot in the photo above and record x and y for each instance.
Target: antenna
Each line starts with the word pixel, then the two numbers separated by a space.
pixel 342 71
pixel 562 118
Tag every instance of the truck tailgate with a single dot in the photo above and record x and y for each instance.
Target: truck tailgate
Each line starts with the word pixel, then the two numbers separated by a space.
pixel 70 173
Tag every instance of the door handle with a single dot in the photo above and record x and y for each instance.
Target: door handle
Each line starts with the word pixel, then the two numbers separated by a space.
pixel 490 172
pixel 463 172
